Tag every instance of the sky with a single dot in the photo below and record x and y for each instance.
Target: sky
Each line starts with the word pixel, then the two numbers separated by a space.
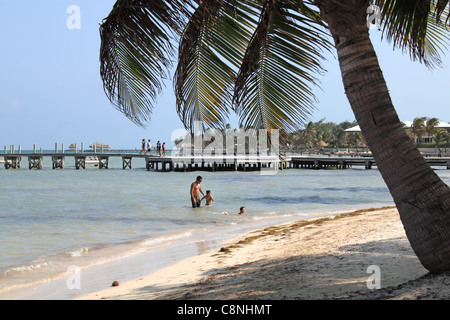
pixel 51 90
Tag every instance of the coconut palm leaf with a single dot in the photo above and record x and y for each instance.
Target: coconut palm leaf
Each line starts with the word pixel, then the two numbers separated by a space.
pixel 442 8
pixel 210 53
pixel 273 87
pixel 416 27
pixel 136 51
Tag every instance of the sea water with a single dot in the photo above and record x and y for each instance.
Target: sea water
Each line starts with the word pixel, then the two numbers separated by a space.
pixel 128 223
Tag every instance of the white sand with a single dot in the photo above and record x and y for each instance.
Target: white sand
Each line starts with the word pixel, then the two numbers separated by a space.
pixel 326 259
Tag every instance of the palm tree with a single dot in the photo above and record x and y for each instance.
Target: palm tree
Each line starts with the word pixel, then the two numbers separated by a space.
pixel 418 129
pixel 339 136
pixel 260 59
pixel 324 130
pixel 430 127
pixel 441 136
pixel 309 135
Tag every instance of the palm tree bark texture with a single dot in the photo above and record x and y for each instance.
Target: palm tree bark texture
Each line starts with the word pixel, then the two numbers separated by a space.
pixel 422 198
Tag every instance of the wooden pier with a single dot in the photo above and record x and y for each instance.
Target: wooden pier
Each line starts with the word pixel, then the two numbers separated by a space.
pixel 196 163
pixel 177 163
pixel 332 162
pixel 217 163
pixel 349 162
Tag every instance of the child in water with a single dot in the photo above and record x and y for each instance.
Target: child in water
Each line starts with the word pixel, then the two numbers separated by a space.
pixel 241 211
pixel 209 198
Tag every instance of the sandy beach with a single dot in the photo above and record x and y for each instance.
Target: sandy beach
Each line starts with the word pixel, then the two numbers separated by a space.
pixel 336 257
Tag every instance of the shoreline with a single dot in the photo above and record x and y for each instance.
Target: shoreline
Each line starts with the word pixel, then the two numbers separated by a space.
pixel 326 258
pixel 171 248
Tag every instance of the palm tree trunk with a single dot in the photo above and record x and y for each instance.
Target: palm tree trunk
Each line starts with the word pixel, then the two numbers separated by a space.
pixel 421 197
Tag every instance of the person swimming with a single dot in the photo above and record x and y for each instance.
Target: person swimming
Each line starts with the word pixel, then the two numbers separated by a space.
pixel 241 211
pixel 209 198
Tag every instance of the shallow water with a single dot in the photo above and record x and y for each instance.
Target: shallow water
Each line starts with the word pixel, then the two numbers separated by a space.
pixel 52 219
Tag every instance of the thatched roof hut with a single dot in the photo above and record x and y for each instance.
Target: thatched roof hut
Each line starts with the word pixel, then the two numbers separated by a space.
pixel 99 146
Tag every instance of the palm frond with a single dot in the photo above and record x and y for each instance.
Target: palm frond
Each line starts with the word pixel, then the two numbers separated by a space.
pixel 136 50
pixel 273 87
pixel 442 8
pixel 416 28
pixel 210 51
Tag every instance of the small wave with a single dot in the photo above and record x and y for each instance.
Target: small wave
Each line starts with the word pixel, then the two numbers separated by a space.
pixel 162 239
pixel 271 214
pixel 28 268
pixel 79 252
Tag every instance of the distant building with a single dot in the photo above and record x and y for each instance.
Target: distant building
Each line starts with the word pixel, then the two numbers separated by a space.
pixel 426 137
pixel 407 124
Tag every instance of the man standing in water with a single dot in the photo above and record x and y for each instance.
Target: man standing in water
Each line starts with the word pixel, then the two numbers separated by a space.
pixel 196 188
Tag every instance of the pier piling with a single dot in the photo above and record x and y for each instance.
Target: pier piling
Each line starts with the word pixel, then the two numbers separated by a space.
pixel 80 162
pixel 126 162
pixel 12 162
pixel 57 162
pixel 103 162
pixel 35 162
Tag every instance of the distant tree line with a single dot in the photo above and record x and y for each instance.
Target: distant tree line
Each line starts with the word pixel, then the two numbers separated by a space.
pixel 325 134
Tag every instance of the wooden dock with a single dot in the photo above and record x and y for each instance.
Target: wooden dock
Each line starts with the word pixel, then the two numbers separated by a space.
pixel 349 162
pixel 332 162
pixel 176 163
pixel 196 163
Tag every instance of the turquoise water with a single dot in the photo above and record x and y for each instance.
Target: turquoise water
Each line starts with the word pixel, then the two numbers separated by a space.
pixel 52 219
